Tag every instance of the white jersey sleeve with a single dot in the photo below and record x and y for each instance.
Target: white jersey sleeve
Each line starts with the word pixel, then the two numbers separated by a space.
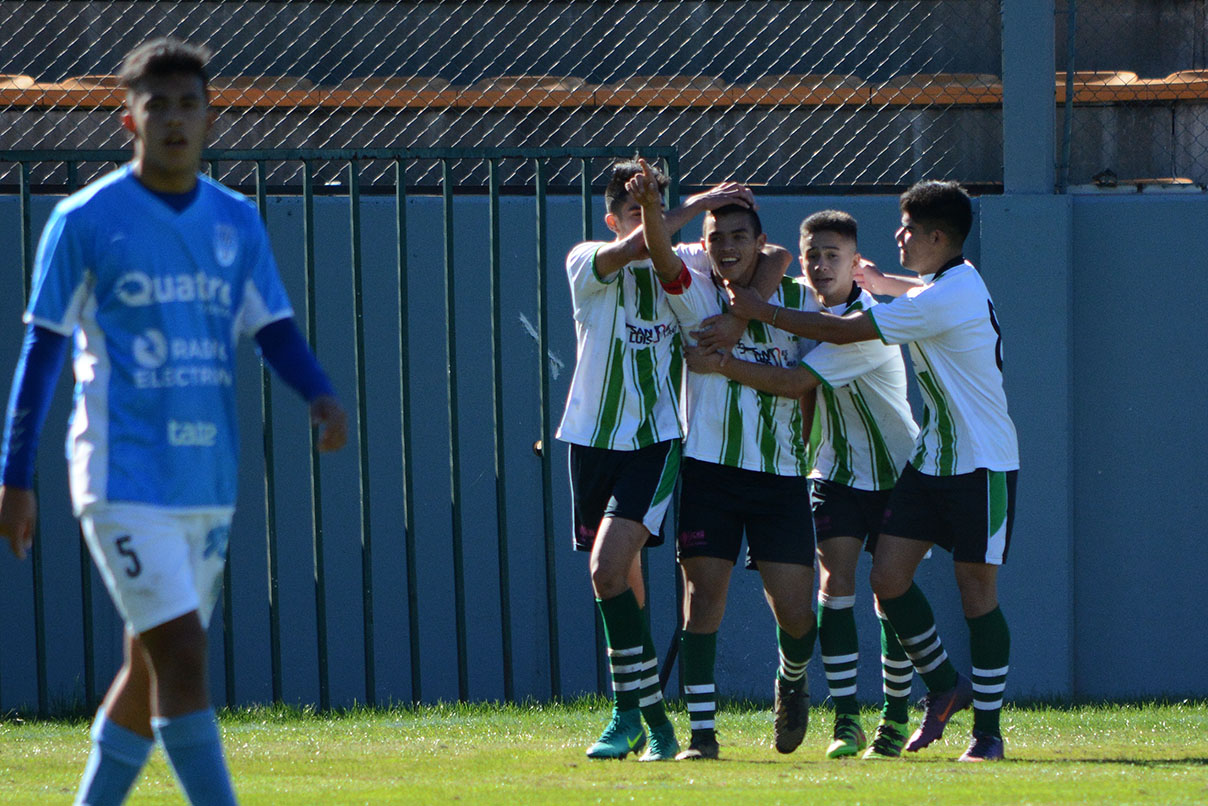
pixel 864 431
pixel 700 299
pixel 264 297
pixel 956 348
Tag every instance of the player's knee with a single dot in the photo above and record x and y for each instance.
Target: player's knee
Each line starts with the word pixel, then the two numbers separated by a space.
pixel 888 583
pixel 607 581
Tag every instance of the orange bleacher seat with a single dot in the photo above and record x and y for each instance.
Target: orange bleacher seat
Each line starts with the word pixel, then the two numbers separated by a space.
pixel 391 91
pixel 939 88
pixel 262 91
pixel 802 88
pixel 665 91
pixel 527 91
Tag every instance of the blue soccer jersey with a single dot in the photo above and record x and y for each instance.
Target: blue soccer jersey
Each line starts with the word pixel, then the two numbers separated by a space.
pixel 156 301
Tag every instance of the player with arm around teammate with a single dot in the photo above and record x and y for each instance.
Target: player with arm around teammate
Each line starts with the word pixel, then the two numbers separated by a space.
pixel 155 271
pixel 958 490
pixel 744 472
pixel 863 434
pixel 623 423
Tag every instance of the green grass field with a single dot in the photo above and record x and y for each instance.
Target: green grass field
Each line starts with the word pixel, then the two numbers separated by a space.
pixel 483 754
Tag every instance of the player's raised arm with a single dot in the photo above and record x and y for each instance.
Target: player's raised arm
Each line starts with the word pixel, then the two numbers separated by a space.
pixel 644 189
pixel 818 326
pixel 287 353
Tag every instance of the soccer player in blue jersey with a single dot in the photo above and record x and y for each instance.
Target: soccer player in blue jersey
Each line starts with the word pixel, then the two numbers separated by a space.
pixel 154 271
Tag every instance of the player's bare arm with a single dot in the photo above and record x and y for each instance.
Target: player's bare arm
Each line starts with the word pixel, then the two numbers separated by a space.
pixel 630 243
pixel 793 382
pixel 644 189
pixel 875 281
pixel 18 514
pixel 818 326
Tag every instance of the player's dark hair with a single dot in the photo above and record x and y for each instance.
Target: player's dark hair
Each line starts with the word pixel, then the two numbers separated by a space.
pixel 164 56
pixel 752 216
pixel 622 172
pixel 835 221
pixel 940 205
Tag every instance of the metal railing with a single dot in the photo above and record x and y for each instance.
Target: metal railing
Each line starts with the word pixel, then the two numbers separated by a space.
pixel 236 607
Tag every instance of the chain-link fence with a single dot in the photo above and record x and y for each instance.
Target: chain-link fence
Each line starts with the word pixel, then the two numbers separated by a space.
pixel 1132 93
pixel 789 94
pixel 799 94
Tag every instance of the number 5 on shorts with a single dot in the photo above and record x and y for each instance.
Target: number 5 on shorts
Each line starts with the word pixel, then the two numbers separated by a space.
pixel 135 567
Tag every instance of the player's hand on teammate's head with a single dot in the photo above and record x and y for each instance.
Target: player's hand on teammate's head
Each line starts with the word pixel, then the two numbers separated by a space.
pixel 724 194
pixel 18 514
pixel 867 275
pixel 720 332
pixel 327 413
pixel 704 360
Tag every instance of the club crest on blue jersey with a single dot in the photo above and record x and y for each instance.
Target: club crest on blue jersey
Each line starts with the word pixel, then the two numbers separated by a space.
pixel 226 244
pixel 151 349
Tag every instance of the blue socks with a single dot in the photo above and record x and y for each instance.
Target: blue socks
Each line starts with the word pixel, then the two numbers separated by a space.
pixel 117 757
pixel 194 749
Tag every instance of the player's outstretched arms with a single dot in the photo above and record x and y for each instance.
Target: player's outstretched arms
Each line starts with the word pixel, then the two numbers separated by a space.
pixel 18 514
pixel 818 326
pixel 875 281
pixel 328 416
pixel 792 382
pixel 644 189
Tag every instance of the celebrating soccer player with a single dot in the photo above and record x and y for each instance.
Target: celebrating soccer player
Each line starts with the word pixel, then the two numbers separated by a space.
pixel 744 469
pixel 623 421
pixel 863 434
pixel 958 490
pixel 155 271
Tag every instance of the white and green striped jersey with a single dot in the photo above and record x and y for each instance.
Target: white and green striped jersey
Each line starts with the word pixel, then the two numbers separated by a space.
pixel 863 429
pixel 624 394
pixel 956 348
pixel 728 423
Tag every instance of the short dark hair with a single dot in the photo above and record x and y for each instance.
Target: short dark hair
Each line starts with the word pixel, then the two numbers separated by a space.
pixel 164 56
pixel 835 221
pixel 622 172
pixel 752 216
pixel 940 205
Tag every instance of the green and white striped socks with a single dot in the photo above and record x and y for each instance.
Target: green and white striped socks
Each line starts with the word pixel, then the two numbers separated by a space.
pixel 840 650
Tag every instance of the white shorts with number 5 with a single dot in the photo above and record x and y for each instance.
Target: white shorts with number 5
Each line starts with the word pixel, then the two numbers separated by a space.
pixel 158 565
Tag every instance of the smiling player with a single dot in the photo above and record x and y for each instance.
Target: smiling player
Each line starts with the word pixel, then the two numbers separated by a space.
pixel 744 472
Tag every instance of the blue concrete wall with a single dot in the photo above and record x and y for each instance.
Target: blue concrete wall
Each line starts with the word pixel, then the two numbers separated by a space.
pixel 1106 554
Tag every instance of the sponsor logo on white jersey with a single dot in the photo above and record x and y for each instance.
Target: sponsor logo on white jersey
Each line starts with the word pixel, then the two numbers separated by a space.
pixel 199 434
pixel 138 289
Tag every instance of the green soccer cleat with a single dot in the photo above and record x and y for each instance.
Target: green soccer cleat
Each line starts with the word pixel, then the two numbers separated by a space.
pixel 624 735
pixel 849 738
pixel 888 740
pixel 663 745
